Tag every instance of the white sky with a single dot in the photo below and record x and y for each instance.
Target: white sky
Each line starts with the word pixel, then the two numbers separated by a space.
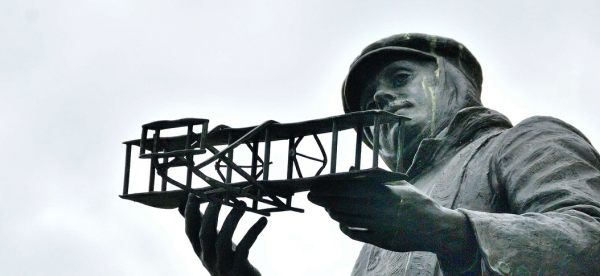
pixel 79 77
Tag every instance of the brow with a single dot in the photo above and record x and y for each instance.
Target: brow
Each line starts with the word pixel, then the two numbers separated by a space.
pixel 390 71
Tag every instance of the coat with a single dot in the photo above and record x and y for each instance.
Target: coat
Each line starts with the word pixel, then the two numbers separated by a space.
pixel 531 194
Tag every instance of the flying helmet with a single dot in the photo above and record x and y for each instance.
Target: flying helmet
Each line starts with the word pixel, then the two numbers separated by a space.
pixel 406 46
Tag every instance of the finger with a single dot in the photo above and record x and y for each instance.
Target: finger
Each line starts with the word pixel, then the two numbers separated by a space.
pixel 208 232
pixel 362 207
pixel 193 221
pixel 363 236
pixel 347 189
pixel 224 243
pixel 181 209
pixel 349 219
pixel 243 249
pixel 398 183
pixel 334 189
pixel 323 200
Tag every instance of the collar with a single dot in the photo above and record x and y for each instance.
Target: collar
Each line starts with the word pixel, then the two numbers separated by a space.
pixel 467 125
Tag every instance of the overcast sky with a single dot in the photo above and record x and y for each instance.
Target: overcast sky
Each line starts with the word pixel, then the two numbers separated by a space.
pixel 79 77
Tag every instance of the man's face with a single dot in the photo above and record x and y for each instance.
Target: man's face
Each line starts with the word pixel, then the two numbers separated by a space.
pixel 407 88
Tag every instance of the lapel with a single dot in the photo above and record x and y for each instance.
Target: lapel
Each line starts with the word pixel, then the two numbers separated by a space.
pixel 466 133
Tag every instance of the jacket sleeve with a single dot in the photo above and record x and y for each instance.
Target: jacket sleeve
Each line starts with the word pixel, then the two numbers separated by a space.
pixel 549 175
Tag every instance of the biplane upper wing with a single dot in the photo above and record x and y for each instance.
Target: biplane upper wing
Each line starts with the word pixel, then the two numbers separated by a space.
pixel 222 135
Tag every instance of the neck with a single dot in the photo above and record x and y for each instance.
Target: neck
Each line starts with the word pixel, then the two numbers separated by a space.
pixel 411 145
pixel 410 149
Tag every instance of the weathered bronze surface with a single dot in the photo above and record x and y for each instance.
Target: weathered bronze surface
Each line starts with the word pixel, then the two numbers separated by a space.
pixel 480 196
pixel 527 196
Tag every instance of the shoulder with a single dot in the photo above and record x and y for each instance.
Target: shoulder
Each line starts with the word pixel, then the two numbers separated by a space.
pixel 540 129
pixel 544 162
pixel 540 136
pixel 544 125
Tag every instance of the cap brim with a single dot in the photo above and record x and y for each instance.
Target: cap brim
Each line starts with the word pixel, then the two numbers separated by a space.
pixel 366 66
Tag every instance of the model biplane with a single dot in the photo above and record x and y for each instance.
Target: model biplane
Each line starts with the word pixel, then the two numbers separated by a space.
pixel 166 153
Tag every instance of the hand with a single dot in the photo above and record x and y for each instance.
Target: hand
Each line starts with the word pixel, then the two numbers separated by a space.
pixel 394 216
pixel 218 254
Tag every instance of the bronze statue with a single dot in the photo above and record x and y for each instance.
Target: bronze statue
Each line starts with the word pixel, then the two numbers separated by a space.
pixel 482 196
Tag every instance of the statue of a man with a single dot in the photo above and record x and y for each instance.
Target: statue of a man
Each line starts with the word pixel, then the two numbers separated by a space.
pixel 482 196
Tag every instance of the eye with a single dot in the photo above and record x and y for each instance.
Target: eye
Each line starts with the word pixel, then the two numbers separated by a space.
pixel 400 79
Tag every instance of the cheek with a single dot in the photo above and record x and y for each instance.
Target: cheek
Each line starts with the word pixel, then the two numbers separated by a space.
pixel 421 115
pixel 425 101
pixel 428 105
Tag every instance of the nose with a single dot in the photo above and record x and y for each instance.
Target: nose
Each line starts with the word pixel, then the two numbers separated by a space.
pixel 383 97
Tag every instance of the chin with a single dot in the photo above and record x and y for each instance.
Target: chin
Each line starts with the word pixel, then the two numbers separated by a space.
pixel 387 155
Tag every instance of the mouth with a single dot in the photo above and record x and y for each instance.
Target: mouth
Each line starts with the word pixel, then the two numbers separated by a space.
pixel 397 105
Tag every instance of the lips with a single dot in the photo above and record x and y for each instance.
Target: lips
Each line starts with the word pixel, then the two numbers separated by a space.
pixel 398 105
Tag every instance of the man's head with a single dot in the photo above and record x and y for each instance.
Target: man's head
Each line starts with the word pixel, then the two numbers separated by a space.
pixel 426 78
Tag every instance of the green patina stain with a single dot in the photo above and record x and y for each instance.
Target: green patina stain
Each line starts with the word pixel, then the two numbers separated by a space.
pixel 433 107
pixel 432 97
pixel 460 54
pixel 423 84
pixel 433 44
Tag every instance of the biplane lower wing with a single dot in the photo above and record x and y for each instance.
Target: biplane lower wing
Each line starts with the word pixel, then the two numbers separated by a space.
pixel 284 187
